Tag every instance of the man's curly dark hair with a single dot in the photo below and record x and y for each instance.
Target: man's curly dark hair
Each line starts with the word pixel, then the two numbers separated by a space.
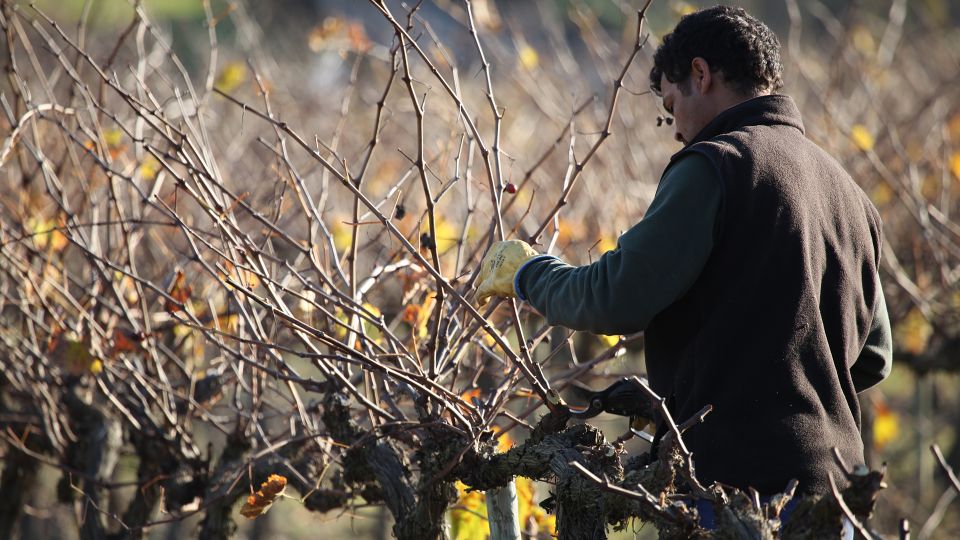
pixel 731 41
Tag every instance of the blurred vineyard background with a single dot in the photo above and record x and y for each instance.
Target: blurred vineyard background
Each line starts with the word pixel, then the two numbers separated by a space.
pixel 878 82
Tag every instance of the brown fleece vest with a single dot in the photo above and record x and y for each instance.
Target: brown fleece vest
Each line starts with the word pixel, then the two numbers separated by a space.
pixel 782 309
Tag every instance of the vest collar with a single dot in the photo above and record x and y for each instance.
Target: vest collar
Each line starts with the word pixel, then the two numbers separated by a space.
pixel 759 111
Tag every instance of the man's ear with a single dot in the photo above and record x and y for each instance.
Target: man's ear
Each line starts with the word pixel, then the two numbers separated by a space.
pixel 700 76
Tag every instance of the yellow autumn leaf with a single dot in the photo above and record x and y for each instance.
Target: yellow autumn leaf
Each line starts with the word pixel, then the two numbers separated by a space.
pixel 529 58
pixel 886 426
pixel 605 245
pixel 47 233
pixel 913 332
pixel 955 164
pixel 227 322
pixel 570 231
pixel 468 517
pixel 342 234
pixel 504 442
pixel 340 330
pixel 230 77
pixel 113 137
pixel 523 197
pixel 128 287
pixel 609 341
pixel 882 194
pixel 149 168
pixel 370 329
pixel 447 234
pixel 534 520
pixel 489 340
pixel 682 8
pixel 861 137
pixel 181 331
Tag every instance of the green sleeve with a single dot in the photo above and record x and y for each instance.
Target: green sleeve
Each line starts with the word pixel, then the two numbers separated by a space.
pixel 876 359
pixel 654 264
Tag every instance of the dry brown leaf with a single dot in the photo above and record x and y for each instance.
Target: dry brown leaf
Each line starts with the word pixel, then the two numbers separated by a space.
pixel 126 341
pixel 179 291
pixel 261 501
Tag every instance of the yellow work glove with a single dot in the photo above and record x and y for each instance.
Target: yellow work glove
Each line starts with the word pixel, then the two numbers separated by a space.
pixel 499 267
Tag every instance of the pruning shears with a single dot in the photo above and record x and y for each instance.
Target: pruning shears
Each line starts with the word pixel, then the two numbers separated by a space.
pixel 622 398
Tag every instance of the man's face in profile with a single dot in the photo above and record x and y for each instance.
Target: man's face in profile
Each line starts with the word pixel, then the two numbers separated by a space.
pixel 681 103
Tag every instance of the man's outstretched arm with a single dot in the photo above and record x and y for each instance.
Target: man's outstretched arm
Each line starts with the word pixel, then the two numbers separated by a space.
pixel 655 262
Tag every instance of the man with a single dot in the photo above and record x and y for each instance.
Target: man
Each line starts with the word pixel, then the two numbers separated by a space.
pixel 753 273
